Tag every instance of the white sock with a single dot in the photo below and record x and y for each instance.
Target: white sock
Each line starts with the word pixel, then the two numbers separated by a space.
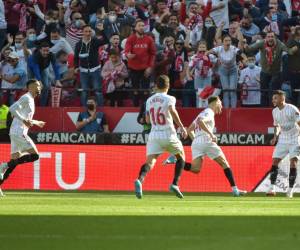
pixel 234 188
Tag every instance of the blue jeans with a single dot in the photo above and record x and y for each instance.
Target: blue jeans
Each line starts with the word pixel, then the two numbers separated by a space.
pixel 229 78
pixel 91 80
pixel 46 87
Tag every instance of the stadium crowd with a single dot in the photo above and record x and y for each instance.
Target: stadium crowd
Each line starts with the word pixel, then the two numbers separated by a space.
pixel 114 50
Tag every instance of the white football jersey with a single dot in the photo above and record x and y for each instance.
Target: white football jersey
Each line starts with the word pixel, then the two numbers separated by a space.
pixel 208 116
pixel 25 107
pixel 157 106
pixel 287 119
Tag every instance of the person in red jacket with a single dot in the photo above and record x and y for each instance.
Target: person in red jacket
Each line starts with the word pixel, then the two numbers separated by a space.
pixel 140 51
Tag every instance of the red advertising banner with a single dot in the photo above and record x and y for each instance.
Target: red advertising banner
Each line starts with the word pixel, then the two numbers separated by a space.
pixel 123 120
pixel 101 167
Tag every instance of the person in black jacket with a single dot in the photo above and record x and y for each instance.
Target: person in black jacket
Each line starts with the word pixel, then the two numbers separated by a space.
pixel 86 61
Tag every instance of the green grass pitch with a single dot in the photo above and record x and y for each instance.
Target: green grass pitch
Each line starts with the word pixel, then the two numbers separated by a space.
pixel 112 221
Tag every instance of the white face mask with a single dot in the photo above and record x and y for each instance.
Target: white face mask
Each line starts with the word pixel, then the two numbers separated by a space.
pixel 54 41
pixel 18 45
pixel 112 18
pixel 251 65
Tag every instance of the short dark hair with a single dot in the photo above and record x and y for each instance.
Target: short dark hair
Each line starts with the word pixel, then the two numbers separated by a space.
pixel 55 30
pixel 86 26
pixel 19 33
pixel 30 81
pixel 213 99
pixel 138 20
pixel 61 53
pixel 163 82
pixel 44 45
pixel 92 98
pixel 279 92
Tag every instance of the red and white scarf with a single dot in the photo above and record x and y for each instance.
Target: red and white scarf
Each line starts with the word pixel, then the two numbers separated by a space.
pixel 194 21
pixel 202 63
pixel 269 53
pixel 179 63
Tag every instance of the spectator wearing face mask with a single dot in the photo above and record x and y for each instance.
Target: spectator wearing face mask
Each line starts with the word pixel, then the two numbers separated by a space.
pixel 249 81
pixel 92 121
pixel 17 77
pixel 74 24
pixel 59 43
pixel 31 39
pixel 18 45
pixel 115 22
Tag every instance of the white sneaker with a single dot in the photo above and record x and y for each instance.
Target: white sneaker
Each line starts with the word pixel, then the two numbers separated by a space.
pixel 271 191
pixel 290 193
pixel 3 168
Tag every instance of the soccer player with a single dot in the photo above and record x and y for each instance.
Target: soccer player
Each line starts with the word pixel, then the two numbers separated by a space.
pixel 205 143
pixel 23 149
pixel 161 112
pixel 286 121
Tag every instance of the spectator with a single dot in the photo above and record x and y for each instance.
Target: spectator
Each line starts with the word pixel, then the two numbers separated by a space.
pixel 271 50
pixel 178 69
pixel 114 72
pixel 59 43
pixel 116 22
pixel 200 67
pixel 209 32
pixel 140 51
pixel 227 54
pixel 17 77
pixel 74 24
pixel 19 47
pixel 251 10
pixel 114 43
pixel 31 38
pixel 86 60
pixel 249 30
pixel 3 24
pixel 39 63
pixel 250 83
pixel 92 121
pixel 171 29
pixel 66 68
pixel 294 65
